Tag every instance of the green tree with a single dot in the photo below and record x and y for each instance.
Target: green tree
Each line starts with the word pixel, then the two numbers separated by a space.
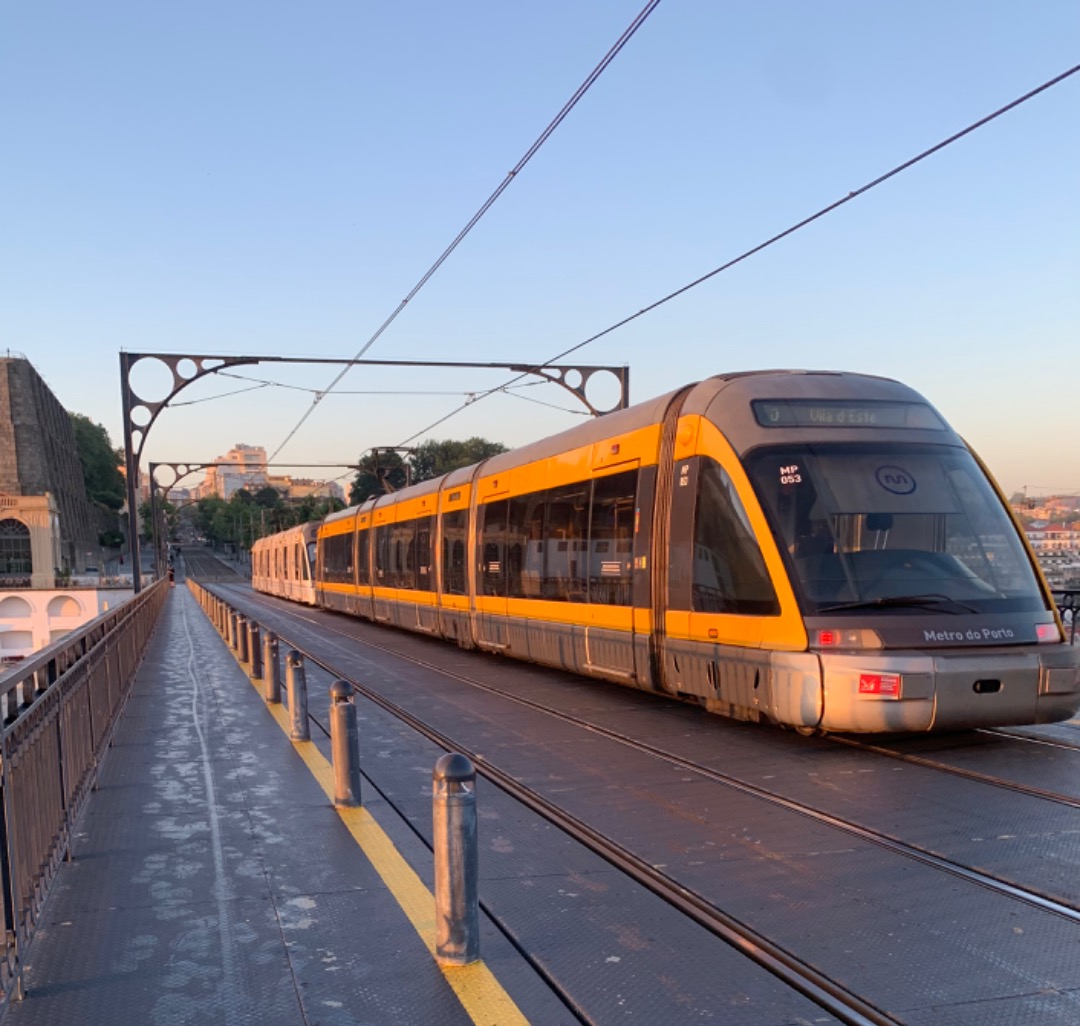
pixel 435 458
pixel 167 512
pixel 210 518
pixel 268 497
pixel 100 463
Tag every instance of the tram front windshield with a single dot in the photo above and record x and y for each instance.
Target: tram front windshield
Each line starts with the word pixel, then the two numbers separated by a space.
pixel 893 529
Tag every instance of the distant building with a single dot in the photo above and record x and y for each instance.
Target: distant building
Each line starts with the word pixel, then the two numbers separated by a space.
pixel 244 466
pixel 39 460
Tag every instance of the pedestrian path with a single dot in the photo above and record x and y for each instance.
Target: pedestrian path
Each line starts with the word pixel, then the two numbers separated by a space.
pixel 213 882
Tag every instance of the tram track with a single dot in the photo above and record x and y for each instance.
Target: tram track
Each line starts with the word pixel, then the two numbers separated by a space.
pixel 833 996
pixel 848 1007
pixel 968 774
pixel 880 839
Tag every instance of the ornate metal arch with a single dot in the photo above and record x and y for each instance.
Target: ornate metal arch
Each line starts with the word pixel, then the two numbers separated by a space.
pixel 573 378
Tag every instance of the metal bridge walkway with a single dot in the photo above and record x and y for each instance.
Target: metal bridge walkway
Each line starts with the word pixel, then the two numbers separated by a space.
pixel 213 882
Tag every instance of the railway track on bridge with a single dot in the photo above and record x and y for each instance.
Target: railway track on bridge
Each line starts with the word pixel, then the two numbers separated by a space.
pixel 831 994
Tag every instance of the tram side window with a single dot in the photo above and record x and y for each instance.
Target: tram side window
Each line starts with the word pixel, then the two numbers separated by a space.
pixel 525 545
pixel 337 559
pixel 611 539
pixel 403 553
pixel 492 545
pixel 384 575
pixel 729 571
pixel 363 561
pixel 425 572
pixel 454 527
pixel 566 535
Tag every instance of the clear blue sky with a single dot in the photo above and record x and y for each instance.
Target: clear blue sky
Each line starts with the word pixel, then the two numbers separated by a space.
pixel 275 177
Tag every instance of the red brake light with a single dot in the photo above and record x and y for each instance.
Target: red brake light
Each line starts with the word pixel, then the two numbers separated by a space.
pixel 1046 633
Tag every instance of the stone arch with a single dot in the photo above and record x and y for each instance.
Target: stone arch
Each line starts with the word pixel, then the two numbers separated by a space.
pixel 64 605
pixel 15 608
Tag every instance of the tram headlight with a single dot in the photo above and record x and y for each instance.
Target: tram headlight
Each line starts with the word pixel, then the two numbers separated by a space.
pixel 838 638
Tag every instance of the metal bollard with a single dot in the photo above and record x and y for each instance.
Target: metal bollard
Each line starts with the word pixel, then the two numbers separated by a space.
pixel 271 670
pixel 232 629
pixel 344 744
pixel 296 685
pixel 255 646
pixel 457 901
pixel 242 638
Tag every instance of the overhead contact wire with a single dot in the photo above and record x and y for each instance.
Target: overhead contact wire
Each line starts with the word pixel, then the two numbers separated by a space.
pixel 764 245
pixel 515 171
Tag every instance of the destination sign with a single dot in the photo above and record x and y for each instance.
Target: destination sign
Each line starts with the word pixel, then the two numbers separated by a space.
pixel 843 413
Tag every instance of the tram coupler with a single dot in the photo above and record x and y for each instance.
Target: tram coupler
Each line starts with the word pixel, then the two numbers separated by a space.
pixel 457 902
pixel 255 646
pixel 344 744
pixel 296 686
pixel 271 668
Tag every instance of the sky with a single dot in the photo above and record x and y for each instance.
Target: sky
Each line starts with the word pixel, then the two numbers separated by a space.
pixel 274 178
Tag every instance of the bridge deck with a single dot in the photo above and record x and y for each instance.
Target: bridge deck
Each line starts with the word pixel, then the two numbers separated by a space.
pixel 214 882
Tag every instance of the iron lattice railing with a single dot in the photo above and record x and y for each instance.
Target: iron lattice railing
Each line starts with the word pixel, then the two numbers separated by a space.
pixel 58 709
pixel 1068 603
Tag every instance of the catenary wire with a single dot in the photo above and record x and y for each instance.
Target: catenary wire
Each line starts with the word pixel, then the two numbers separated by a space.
pixel 518 167
pixel 764 245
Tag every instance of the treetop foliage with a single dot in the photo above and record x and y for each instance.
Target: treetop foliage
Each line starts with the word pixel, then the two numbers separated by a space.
pixel 100 462
pixel 429 459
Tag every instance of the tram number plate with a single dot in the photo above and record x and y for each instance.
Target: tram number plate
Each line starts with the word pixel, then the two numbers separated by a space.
pixel 881 685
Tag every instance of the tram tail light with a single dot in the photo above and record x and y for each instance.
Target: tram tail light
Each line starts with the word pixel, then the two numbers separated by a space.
pixel 1047 633
pixel 835 639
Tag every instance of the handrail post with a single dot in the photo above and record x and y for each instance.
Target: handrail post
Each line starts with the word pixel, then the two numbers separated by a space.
pixel 255 644
pixel 296 685
pixel 271 668
pixel 457 905
pixel 344 744
pixel 242 638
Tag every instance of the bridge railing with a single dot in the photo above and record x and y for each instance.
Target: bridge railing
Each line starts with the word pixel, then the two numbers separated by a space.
pixel 58 709
pixel 1068 603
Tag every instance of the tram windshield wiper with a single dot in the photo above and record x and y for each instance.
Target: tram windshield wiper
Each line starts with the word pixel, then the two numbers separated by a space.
pixel 928 601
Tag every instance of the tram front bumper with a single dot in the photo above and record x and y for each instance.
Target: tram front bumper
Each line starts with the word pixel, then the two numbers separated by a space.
pixel 949 690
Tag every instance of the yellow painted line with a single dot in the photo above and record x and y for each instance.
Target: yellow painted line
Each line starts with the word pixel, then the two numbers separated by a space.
pixel 480 994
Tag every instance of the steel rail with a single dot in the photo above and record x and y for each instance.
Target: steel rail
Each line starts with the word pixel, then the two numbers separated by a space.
pixel 988 881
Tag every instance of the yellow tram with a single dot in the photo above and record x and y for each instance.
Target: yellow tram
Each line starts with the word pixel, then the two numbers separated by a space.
pixel 819 550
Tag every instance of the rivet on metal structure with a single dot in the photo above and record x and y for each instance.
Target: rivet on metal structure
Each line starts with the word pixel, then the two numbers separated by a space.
pixel 140 413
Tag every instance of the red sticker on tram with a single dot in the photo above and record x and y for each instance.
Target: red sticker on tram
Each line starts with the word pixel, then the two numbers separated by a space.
pixel 887 685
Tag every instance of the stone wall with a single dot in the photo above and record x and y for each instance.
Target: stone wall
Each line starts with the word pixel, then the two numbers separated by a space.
pixel 38 455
